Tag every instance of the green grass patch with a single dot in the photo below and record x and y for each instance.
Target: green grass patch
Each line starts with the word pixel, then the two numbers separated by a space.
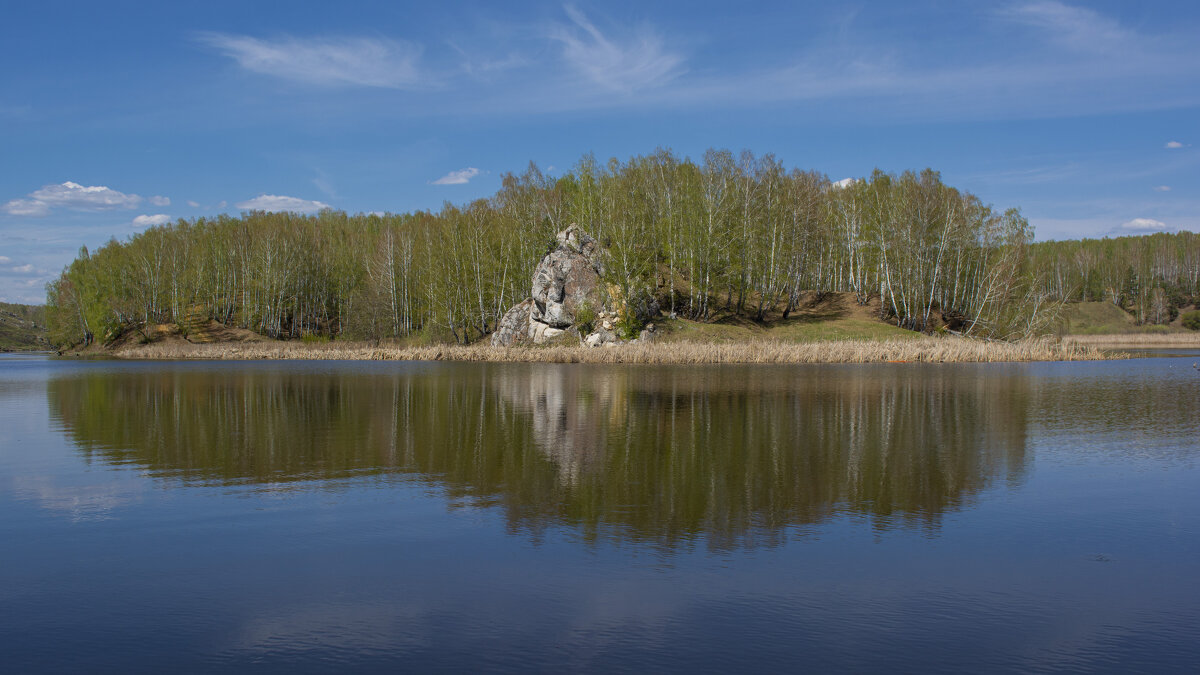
pixel 1096 318
pixel 22 327
pixel 839 329
pixel 796 330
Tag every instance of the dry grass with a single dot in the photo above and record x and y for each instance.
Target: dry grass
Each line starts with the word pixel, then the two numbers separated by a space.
pixel 1135 340
pixel 925 349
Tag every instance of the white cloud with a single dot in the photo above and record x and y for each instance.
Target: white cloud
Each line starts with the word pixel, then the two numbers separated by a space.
pixel 458 177
pixel 26 207
pixel 281 203
pixel 194 205
pixel 1143 225
pixel 640 61
pixel 5 259
pixel 844 183
pixel 222 204
pixel 85 197
pixel 23 269
pixel 1162 188
pixel 1173 145
pixel 158 200
pixel 72 196
pixel 147 221
pixel 360 61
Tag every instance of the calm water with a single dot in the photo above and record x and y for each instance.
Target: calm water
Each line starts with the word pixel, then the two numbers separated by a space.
pixel 316 516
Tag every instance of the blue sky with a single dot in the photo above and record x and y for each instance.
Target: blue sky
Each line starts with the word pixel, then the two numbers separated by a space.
pixel 116 116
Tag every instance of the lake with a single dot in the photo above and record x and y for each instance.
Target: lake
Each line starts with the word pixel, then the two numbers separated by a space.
pixel 305 517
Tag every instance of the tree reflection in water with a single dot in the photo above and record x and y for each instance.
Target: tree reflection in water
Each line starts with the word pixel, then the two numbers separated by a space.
pixel 731 456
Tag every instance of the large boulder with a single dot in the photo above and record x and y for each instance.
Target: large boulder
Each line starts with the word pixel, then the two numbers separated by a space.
pixel 567 290
pixel 513 327
pixel 568 280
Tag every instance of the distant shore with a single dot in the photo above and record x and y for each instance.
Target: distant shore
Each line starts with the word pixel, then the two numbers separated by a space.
pixel 924 349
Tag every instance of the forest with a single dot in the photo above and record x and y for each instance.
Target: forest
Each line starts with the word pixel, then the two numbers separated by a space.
pixel 731 234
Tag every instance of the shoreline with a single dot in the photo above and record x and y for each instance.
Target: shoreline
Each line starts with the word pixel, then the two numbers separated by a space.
pixel 921 350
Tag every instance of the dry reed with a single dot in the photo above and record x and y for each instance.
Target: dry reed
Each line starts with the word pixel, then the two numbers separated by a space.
pixel 928 349
pixel 1135 340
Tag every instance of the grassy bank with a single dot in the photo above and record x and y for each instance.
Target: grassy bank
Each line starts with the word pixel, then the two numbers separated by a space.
pixel 819 317
pixel 22 328
pixel 921 349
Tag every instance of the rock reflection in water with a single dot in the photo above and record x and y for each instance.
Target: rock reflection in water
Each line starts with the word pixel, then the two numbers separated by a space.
pixel 731 456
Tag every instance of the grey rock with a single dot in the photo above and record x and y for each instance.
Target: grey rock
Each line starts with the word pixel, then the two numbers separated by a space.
pixel 568 279
pixel 601 338
pixel 541 333
pixel 513 327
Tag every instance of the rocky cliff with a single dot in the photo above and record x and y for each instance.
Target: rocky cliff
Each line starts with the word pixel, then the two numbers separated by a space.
pixel 567 294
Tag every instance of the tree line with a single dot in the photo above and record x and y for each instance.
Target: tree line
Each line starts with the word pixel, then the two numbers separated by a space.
pixel 1151 276
pixel 726 234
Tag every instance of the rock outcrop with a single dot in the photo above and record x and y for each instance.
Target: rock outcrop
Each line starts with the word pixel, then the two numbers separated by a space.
pixel 567 281
pixel 568 296
pixel 566 288
pixel 513 327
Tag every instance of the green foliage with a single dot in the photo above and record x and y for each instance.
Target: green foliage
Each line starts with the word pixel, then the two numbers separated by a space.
pixel 585 318
pixel 727 234
pixel 1191 320
pixel 1151 276
pixel 627 327
pixel 22 327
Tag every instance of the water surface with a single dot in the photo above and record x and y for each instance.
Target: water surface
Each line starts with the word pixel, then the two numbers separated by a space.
pixel 306 516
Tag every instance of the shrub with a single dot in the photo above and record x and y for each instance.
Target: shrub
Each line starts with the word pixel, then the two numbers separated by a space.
pixel 585 318
pixel 1191 320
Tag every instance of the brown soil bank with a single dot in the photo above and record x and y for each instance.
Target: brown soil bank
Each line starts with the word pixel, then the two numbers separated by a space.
pixel 923 349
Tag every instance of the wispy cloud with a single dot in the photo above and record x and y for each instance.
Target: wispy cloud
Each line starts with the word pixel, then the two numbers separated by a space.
pixel 72 196
pixel 158 200
pixel 1027 59
pixel 150 220
pixel 1173 145
pixel 23 269
pixel 459 177
pixel 326 61
pixel 1162 188
pixel 627 63
pixel 1070 60
pixel 194 204
pixel 323 183
pixel 279 203
pixel 1078 28
pixel 26 207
